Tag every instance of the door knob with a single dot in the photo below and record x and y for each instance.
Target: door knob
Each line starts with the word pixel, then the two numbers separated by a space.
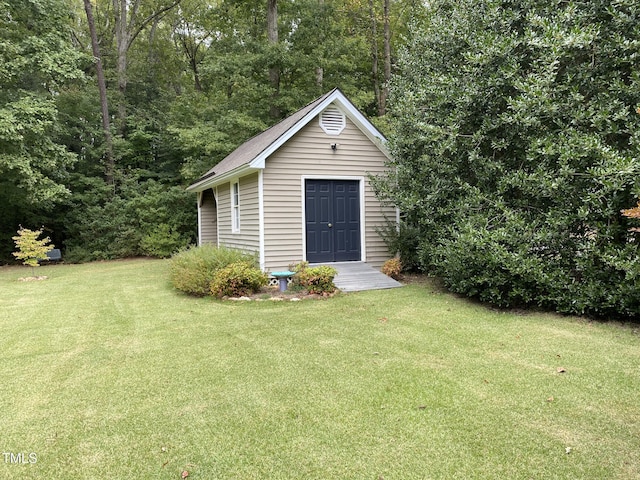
pixel 330 225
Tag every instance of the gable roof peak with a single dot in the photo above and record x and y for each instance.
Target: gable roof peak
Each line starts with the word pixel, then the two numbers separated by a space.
pixel 254 152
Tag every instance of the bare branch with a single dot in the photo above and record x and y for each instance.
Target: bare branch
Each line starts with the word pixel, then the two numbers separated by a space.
pixel 155 15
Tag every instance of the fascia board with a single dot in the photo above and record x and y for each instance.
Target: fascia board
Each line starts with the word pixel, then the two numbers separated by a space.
pixel 259 161
pixel 364 124
pixel 240 171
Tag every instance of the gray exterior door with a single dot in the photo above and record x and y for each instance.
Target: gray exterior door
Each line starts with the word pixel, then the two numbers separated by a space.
pixel 332 220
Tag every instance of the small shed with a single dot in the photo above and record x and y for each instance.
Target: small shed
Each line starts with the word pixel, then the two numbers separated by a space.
pixel 300 190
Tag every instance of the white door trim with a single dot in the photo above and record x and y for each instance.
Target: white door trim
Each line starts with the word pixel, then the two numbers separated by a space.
pixel 303 189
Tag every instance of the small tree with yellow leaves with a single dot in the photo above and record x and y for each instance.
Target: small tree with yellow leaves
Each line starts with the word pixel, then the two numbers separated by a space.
pixel 30 248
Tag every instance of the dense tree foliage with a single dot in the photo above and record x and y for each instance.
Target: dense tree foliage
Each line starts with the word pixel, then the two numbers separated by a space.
pixel 36 62
pixel 103 164
pixel 517 145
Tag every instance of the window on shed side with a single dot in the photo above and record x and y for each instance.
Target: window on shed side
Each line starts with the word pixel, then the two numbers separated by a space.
pixel 235 206
pixel 332 120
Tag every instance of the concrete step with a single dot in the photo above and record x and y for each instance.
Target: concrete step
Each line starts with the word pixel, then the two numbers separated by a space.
pixel 359 276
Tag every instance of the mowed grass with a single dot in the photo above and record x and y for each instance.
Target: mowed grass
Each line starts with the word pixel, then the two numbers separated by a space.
pixel 106 372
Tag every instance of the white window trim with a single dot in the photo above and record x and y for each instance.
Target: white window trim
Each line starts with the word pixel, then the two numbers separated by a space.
pixel 235 207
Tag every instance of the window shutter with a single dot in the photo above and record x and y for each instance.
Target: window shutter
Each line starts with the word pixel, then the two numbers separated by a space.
pixel 332 121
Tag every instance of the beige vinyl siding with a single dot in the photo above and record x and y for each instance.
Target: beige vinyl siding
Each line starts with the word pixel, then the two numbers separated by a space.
pixel 309 153
pixel 248 238
pixel 208 216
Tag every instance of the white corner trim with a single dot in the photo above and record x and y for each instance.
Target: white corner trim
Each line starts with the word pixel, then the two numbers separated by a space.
pixel 303 195
pixel 261 219
pixel 215 197
pixel 199 200
pixel 363 222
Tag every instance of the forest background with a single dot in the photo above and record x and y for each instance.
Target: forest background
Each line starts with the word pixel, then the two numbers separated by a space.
pixel 513 127
pixel 98 139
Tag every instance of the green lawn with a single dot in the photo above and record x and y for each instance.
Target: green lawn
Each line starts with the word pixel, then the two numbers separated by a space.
pixel 108 373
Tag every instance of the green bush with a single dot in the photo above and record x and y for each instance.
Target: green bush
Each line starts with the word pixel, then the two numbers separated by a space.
pixel 314 279
pixel 520 264
pixel 238 279
pixel 514 152
pixel 147 218
pixel 76 254
pixel 296 267
pixel 162 242
pixel 499 266
pixel 402 239
pixel 193 269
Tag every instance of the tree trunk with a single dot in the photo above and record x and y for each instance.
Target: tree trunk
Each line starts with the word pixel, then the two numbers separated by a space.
pixel 127 28
pixel 374 56
pixel 102 88
pixel 191 47
pixel 319 69
pixel 274 69
pixel 387 60
pixel 319 78
pixel 122 47
pixel 152 54
pixel 196 75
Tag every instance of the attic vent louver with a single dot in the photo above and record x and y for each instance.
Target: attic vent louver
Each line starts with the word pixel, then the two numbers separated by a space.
pixel 332 121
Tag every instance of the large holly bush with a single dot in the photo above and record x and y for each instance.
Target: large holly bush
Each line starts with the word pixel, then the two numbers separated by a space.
pixel 517 144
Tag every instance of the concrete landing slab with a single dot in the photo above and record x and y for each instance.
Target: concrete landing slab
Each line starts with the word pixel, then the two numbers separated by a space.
pixel 360 276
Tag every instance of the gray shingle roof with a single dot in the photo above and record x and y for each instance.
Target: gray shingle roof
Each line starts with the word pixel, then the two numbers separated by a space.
pixel 253 147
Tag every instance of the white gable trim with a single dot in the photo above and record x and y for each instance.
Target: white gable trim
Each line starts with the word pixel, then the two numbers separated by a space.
pixel 343 104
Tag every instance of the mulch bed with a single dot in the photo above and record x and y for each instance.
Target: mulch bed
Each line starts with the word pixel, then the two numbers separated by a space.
pixel 32 279
pixel 273 294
